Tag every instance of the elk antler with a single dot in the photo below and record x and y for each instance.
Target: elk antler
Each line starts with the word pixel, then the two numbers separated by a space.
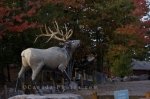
pixel 57 34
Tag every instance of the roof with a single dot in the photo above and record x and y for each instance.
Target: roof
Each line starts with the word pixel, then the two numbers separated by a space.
pixel 140 65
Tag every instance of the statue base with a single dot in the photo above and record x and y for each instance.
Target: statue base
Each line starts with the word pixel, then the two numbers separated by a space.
pixel 48 96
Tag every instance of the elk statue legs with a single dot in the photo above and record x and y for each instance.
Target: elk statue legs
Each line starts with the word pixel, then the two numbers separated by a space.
pixel 35 72
pixel 66 74
pixel 19 76
pixel 62 68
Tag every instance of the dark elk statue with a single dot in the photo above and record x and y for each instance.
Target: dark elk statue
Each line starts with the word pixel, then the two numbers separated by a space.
pixel 53 57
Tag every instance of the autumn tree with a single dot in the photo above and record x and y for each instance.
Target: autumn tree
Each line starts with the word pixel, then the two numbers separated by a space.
pixel 132 38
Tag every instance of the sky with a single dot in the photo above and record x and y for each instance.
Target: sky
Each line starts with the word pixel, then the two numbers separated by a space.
pixel 147 17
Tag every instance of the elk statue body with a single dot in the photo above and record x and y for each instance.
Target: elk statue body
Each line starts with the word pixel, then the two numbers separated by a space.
pixel 53 57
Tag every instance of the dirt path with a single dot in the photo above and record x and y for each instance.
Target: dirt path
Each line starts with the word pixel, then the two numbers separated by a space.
pixel 135 88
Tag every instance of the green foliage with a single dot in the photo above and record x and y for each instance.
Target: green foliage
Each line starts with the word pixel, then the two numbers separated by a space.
pixel 122 65
pixel 49 12
pixel 119 60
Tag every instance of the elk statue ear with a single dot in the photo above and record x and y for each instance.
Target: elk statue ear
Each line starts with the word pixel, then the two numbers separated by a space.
pixel 61 44
pixel 68 45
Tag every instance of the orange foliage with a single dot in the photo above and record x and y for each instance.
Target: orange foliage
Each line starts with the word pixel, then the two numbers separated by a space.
pixel 119 48
pixel 115 51
pixel 131 42
pixel 17 22
pixel 136 32
pixel 140 8
pixel 128 29
pixel 137 29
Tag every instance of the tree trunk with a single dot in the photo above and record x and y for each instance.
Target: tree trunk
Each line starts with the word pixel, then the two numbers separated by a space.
pixel 99 52
pixel 8 73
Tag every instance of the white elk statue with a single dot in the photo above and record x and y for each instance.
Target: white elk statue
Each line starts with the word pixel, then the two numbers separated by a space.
pixel 53 57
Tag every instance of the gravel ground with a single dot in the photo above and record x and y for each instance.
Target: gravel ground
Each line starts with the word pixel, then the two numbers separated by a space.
pixel 135 88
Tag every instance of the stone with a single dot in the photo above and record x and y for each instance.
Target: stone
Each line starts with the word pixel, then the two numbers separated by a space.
pixel 100 77
pixel 48 96
pixel 11 92
pixel 73 85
